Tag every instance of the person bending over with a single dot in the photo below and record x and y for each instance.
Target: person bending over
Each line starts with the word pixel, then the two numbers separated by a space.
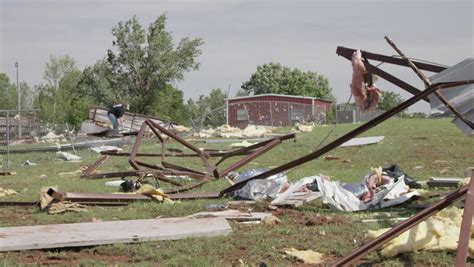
pixel 115 115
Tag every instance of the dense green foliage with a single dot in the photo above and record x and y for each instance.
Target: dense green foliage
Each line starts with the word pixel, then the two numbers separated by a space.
pixel 208 110
pixel 273 78
pixel 59 98
pixel 9 97
pixel 140 67
pixel 389 100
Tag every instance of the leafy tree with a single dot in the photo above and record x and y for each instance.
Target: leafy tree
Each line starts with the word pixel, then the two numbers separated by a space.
pixel 9 97
pixel 208 110
pixel 273 78
pixel 59 99
pixel 144 62
pixel 389 100
pixel 48 97
pixel 169 105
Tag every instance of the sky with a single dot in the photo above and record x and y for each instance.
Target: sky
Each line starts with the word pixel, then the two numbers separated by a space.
pixel 240 35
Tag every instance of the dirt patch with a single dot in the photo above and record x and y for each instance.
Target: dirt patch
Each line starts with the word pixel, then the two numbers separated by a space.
pixel 321 220
pixel 43 257
pixel 289 213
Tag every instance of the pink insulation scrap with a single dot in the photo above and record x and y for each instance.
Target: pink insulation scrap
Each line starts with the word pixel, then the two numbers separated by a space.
pixel 366 96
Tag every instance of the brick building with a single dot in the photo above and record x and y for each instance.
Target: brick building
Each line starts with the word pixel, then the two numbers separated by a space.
pixel 275 110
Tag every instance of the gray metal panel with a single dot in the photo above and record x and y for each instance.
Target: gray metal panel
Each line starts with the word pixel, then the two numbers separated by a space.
pixel 461 97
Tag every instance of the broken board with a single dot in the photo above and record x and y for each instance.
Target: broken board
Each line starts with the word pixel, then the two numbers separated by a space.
pixel 111 232
pixel 298 198
pixel 361 141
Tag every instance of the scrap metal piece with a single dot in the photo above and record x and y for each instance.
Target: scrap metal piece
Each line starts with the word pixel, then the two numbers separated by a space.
pixel 93 167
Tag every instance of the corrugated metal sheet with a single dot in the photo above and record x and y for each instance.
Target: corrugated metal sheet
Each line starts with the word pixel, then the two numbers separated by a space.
pixel 461 97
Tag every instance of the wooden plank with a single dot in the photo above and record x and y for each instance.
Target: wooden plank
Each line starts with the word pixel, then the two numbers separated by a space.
pixel 111 232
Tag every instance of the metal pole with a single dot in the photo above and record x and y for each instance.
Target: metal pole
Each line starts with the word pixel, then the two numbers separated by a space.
pixel 70 139
pixel 7 165
pixel 19 98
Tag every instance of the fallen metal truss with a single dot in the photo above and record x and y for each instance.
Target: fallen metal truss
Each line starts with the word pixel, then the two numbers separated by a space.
pixel 166 170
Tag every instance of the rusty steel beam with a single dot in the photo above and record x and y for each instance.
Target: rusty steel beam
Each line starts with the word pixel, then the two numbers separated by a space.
pixel 194 195
pixel 95 197
pixel 93 167
pixel 210 153
pixel 402 227
pixel 184 187
pixel 347 53
pixel 248 149
pixel 250 157
pixel 339 141
pixel 181 168
pixel 465 232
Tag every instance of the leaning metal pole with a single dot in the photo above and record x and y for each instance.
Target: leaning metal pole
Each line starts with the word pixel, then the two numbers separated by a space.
pixel 377 120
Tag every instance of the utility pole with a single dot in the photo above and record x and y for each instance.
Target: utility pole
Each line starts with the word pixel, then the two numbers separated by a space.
pixel 19 97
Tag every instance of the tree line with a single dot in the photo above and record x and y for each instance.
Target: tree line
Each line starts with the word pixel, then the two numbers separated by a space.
pixel 140 69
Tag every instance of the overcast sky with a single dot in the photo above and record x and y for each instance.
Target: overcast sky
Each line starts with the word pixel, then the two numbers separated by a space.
pixel 239 35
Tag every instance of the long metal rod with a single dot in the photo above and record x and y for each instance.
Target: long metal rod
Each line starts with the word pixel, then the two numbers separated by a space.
pixel 465 233
pixel 250 157
pixel 401 227
pixel 70 139
pixel 377 120
pixel 7 164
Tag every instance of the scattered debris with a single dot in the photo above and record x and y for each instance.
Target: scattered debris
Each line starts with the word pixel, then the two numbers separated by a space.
pixel 260 189
pixel 438 233
pixel 233 215
pixel 29 163
pixel 296 199
pixel 329 157
pixel 11 173
pixel 7 192
pixel 322 220
pixel 109 232
pixel 244 143
pixel 444 182
pixel 271 220
pixel 68 156
pixel 362 141
pixel 61 207
pixel 307 256
pixel 151 191
pixel 226 131
pixel 379 189
pixel 51 137
pixel 105 148
pixel 303 128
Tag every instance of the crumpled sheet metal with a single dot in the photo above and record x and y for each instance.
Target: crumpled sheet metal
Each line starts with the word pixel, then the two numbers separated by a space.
pixel 259 189
pixel 334 195
pixel 438 233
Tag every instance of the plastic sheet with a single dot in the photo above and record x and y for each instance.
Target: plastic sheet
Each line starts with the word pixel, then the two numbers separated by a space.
pixel 262 188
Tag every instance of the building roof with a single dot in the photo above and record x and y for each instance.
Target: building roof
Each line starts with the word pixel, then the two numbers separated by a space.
pixel 279 95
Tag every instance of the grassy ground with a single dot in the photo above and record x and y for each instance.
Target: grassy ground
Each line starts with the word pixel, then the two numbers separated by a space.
pixel 422 147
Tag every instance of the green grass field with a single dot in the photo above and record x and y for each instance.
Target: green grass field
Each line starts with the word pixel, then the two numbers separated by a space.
pixel 422 147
